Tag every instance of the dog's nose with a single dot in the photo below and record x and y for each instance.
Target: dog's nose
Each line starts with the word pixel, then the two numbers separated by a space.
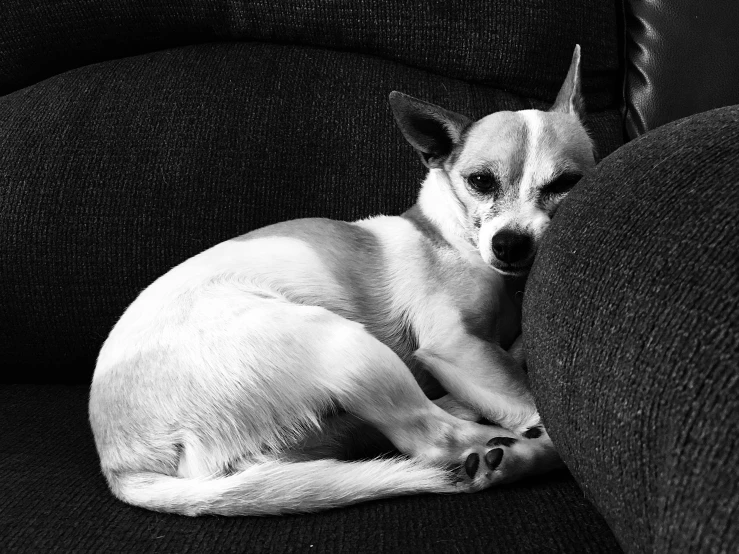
pixel 511 247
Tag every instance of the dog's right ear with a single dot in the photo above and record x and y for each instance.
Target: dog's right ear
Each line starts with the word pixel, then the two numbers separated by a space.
pixel 569 100
pixel 431 130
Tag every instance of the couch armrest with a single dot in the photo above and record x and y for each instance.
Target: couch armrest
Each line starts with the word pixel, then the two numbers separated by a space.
pixel 631 329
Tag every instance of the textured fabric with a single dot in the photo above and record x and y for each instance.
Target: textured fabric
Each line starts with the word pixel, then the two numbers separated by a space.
pixel 631 321
pixel 53 498
pixel 113 173
pixel 680 60
pixel 517 45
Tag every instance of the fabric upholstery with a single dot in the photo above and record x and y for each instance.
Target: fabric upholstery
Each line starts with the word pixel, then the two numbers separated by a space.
pixel 53 498
pixel 517 45
pixel 680 60
pixel 630 326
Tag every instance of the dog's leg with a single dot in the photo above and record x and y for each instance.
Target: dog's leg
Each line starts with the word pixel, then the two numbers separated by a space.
pixel 310 358
pixel 492 385
pixel 368 380
pixel 485 377
pixel 281 367
pixel 384 394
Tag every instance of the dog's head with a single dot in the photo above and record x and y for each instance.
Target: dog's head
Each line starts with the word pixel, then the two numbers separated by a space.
pixel 506 172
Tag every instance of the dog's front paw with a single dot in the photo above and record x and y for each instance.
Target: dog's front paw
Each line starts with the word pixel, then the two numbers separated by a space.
pixel 505 459
pixel 485 466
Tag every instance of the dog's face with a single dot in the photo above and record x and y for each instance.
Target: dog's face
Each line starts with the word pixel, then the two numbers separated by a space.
pixel 508 171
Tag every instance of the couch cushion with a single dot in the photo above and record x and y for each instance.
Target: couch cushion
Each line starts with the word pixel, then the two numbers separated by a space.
pixel 631 327
pixel 516 45
pixel 54 498
pixel 113 173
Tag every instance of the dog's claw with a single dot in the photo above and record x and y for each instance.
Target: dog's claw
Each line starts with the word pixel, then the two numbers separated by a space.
pixel 471 464
pixel 493 458
pixel 501 441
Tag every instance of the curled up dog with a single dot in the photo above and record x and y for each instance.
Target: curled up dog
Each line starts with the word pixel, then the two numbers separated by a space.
pixel 238 382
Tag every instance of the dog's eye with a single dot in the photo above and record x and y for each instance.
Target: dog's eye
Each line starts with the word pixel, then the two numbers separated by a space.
pixel 482 182
pixel 562 184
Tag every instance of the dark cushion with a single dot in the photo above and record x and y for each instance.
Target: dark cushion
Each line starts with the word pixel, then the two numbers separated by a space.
pixel 53 498
pixel 515 45
pixel 681 59
pixel 113 173
pixel 630 326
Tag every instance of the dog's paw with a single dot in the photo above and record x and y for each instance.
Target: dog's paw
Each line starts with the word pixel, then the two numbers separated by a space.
pixel 481 467
pixel 505 459
pixel 478 472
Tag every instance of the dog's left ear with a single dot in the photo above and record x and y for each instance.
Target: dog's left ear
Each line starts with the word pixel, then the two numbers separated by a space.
pixel 569 100
pixel 431 130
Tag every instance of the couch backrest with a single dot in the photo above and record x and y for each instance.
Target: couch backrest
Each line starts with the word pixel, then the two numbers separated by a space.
pixel 516 45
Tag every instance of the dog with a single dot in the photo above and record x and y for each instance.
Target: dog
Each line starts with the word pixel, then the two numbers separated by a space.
pixel 235 382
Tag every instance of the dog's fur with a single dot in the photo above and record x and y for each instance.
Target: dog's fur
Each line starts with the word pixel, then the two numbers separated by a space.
pixel 235 382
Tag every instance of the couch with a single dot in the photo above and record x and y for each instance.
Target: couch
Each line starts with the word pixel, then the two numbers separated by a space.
pixel 135 134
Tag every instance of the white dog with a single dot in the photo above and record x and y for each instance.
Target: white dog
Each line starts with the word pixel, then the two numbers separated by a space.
pixel 237 382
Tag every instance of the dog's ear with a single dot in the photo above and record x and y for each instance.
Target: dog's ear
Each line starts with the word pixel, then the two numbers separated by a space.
pixel 431 130
pixel 569 100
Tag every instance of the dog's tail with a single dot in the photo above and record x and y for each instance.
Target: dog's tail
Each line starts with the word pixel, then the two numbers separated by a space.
pixel 276 487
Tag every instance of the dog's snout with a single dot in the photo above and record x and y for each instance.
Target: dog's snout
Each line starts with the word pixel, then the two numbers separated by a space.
pixel 511 247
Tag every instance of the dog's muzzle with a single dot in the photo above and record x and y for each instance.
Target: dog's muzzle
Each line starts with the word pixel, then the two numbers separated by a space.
pixel 512 250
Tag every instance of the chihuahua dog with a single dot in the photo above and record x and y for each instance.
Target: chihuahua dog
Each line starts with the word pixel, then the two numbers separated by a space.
pixel 234 383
